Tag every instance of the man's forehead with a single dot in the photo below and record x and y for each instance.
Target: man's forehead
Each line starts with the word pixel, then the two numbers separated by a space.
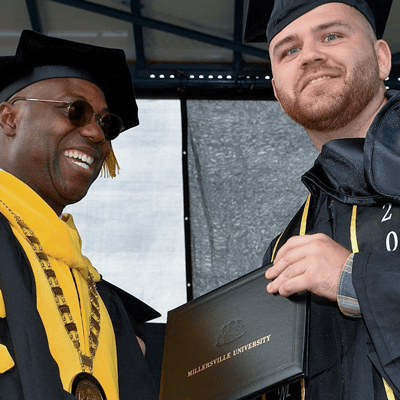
pixel 77 87
pixel 326 16
pixel 265 19
pixel 67 89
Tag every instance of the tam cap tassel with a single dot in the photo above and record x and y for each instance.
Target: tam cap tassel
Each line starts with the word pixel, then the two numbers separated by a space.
pixel 110 167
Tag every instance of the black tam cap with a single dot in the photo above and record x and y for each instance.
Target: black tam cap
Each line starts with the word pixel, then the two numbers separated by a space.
pixel 266 18
pixel 39 57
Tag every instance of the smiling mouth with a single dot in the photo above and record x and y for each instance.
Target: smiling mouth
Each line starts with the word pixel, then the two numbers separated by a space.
pixel 322 78
pixel 79 158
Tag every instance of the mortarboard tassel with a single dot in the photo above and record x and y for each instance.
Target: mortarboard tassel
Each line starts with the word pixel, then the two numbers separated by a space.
pixel 110 167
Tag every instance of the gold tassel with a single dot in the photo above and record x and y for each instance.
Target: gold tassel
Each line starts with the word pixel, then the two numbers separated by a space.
pixel 110 167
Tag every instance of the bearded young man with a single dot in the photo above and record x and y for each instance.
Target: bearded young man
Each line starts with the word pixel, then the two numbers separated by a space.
pixel 329 64
pixel 64 332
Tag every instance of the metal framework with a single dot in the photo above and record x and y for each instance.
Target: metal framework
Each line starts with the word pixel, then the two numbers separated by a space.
pixel 195 79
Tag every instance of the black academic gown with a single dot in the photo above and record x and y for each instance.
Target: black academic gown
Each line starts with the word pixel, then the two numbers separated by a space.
pixel 349 356
pixel 35 375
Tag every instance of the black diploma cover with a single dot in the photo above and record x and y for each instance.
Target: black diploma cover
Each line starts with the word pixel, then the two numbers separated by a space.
pixel 235 342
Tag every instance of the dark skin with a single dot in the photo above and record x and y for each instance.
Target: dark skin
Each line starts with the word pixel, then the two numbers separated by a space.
pixel 36 140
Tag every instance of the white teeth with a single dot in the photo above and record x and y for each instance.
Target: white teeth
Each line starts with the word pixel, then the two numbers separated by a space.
pixel 319 79
pixel 88 160
pixel 85 166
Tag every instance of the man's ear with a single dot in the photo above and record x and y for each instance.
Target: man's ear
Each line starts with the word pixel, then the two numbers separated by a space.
pixel 7 118
pixel 384 56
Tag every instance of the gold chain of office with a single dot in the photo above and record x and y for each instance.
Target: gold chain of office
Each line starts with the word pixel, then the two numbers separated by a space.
pixel 63 308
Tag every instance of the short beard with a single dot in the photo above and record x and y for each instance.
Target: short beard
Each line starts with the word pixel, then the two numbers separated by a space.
pixel 329 112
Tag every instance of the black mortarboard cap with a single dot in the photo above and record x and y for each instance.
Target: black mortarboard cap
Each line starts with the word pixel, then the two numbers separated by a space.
pixel 39 57
pixel 265 18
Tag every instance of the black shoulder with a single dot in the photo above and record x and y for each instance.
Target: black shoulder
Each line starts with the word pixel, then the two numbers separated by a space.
pixel 140 311
pixel 18 255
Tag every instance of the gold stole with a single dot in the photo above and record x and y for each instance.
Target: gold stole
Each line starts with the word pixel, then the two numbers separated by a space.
pixel 61 243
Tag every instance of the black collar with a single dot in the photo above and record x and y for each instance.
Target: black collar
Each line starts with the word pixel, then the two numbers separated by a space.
pixel 362 171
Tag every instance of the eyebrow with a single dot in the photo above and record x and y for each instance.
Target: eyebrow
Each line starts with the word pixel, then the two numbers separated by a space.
pixel 80 97
pixel 283 42
pixel 331 24
pixel 337 22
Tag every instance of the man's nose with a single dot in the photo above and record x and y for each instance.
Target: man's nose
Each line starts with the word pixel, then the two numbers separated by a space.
pixel 312 52
pixel 93 131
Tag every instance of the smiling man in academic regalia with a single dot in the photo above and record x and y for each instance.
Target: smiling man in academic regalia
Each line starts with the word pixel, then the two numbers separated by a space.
pixel 64 332
pixel 329 64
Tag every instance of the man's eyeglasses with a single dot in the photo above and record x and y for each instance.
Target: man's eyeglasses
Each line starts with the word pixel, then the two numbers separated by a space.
pixel 80 113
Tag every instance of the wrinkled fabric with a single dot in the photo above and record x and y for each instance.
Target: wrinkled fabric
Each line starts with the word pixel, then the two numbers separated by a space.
pixel 362 171
pixel 32 335
pixel 343 358
pixel 61 243
pixel 350 357
pixel 382 149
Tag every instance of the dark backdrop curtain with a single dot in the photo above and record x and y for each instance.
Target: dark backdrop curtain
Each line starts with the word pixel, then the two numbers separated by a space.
pixel 245 160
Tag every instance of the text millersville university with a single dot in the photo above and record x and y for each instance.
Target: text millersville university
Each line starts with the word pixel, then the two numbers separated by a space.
pixel 230 354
